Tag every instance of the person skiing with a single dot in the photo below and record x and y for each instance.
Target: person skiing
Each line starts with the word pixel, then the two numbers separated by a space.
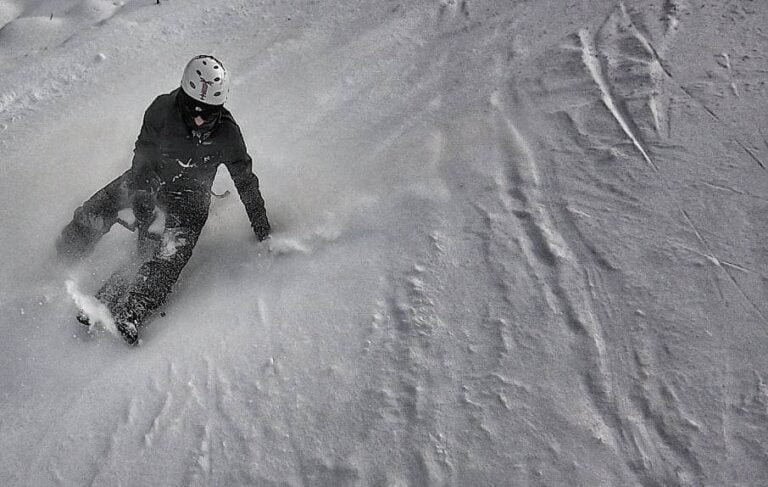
pixel 185 135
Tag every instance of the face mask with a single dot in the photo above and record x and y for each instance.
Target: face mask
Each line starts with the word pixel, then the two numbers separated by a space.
pixel 197 115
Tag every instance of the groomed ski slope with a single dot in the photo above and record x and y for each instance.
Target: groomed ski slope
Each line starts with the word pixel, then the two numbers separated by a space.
pixel 515 243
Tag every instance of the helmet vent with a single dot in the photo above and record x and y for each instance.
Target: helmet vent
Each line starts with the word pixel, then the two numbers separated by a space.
pixel 192 85
pixel 205 63
pixel 199 73
pixel 217 79
pixel 218 93
pixel 215 67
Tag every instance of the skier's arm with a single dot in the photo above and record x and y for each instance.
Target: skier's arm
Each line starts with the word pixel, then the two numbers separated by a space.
pixel 142 176
pixel 247 185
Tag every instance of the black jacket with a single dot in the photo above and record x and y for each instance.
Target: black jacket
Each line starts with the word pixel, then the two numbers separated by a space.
pixel 179 165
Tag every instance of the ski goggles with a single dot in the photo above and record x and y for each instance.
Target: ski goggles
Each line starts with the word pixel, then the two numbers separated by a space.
pixel 193 108
pixel 206 112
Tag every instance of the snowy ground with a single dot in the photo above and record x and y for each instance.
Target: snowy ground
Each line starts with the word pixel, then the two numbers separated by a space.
pixel 516 243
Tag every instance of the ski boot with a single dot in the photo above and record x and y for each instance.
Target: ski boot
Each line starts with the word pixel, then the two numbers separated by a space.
pixel 128 317
pixel 127 327
pixel 129 331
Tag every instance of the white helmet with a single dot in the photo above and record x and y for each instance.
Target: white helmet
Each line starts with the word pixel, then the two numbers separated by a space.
pixel 206 80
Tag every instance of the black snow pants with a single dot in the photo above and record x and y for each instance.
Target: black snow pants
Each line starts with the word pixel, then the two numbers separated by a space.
pixel 133 292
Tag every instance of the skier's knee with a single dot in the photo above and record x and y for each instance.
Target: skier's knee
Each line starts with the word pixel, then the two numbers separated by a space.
pixel 175 245
pixel 90 222
pixel 78 237
pixel 72 245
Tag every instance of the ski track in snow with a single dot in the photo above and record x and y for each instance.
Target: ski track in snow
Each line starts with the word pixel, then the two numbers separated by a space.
pixel 510 248
pixel 666 423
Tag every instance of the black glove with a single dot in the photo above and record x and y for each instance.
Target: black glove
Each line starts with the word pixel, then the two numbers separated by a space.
pixel 261 231
pixel 146 180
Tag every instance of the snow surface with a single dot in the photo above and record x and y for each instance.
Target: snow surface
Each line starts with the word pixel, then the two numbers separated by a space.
pixel 516 243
